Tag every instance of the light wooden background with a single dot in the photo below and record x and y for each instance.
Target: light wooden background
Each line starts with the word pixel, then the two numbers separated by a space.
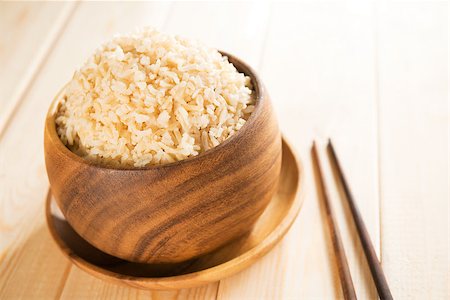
pixel 371 75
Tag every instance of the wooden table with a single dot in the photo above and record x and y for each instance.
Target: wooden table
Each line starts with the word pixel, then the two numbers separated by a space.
pixel 371 75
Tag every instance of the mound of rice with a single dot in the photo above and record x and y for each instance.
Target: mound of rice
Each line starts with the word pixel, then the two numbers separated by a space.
pixel 151 98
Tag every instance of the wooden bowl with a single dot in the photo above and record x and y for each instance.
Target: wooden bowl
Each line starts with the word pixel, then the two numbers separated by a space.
pixel 223 262
pixel 173 212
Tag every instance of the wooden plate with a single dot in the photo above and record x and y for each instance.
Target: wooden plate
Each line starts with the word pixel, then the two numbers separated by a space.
pixel 236 256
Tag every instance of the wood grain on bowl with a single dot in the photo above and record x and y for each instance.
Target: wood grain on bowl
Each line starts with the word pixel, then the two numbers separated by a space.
pixel 174 212
pixel 223 262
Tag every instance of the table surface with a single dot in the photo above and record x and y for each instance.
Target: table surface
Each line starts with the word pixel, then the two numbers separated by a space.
pixel 373 76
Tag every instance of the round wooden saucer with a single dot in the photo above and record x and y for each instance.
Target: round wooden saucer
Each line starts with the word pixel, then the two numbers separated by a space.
pixel 228 260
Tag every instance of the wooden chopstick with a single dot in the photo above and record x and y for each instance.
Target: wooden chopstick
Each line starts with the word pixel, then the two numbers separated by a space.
pixel 344 272
pixel 371 256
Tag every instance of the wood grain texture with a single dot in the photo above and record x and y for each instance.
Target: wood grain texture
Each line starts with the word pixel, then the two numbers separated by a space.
pixel 210 268
pixel 21 192
pixel 372 259
pixel 28 33
pixel 414 135
pixel 20 261
pixel 328 52
pixel 319 67
pixel 81 285
pixel 173 212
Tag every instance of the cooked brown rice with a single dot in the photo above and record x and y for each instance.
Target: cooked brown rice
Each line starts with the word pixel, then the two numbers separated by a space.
pixel 151 98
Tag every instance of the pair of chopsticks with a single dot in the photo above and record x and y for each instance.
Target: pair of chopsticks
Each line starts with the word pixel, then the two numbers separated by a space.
pixel 372 259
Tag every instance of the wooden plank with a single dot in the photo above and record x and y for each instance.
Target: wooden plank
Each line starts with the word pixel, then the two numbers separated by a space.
pixel 36 269
pixel 23 184
pixel 238 28
pixel 331 61
pixel 413 81
pixel 82 286
pixel 28 31
pixel 318 66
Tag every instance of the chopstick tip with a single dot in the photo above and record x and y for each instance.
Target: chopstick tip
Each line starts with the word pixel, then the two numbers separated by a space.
pixel 330 145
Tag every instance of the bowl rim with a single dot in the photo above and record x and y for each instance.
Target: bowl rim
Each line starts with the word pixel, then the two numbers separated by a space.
pixel 240 65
